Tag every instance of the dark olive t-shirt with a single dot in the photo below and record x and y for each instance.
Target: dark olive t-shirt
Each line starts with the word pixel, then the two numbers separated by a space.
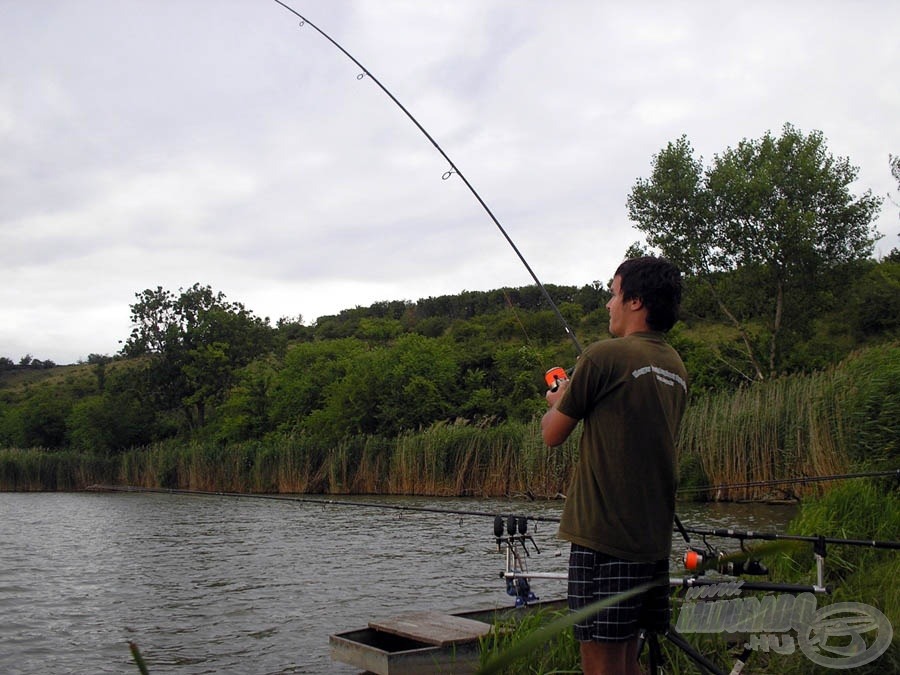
pixel 631 393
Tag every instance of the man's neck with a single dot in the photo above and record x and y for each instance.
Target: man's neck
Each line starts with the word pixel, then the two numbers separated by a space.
pixel 636 327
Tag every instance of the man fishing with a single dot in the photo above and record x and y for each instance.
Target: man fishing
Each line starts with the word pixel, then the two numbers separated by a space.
pixel 631 393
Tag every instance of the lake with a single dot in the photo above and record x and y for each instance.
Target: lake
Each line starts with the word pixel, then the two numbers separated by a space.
pixel 219 584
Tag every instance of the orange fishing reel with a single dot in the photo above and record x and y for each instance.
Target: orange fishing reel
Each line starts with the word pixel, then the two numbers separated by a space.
pixel 554 376
pixel 694 560
pixel 697 561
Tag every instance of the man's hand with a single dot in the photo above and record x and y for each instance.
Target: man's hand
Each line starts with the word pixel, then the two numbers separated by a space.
pixel 556 426
pixel 555 393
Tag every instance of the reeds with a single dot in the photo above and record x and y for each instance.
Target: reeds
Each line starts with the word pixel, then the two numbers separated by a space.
pixel 457 459
pixel 37 469
pixel 477 461
pixel 797 426
pixel 787 427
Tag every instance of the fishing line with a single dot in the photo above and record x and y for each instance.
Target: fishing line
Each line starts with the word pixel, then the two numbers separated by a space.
pixel 793 481
pixel 454 169
pixel 319 502
pixel 724 533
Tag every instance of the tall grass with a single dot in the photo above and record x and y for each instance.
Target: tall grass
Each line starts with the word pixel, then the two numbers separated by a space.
pixel 37 469
pixel 782 428
pixel 559 655
pixel 467 460
pixel 799 425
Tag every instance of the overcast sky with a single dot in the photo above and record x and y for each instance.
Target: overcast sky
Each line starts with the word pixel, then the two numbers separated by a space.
pixel 165 143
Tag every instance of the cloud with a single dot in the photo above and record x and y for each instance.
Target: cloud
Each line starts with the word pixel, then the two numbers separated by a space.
pixel 146 144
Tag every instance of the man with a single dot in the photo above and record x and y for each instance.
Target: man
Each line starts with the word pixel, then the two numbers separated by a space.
pixel 631 393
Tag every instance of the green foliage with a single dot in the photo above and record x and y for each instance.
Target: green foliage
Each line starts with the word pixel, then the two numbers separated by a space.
pixel 198 341
pixel 246 412
pixel 778 210
pixel 876 301
pixel 403 386
pixel 857 509
pixel 203 368
pixel 40 420
pixel 519 381
pixel 712 359
pixel 108 423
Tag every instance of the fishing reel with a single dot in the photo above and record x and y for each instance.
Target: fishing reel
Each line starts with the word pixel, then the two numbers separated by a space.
pixel 555 376
pixel 699 560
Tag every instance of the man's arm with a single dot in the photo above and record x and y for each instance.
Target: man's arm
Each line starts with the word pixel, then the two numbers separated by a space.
pixel 556 426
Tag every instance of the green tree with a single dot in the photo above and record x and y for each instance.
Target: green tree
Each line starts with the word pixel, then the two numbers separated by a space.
pixel 406 385
pixel 300 386
pixel 40 420
pixel 519 381
pixel 876 306
pixel 109 422
pixel 246 412
pixel 196 342
pixel 779 206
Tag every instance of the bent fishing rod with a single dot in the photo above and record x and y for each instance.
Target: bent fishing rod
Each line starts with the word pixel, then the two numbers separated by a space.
pixel 454 169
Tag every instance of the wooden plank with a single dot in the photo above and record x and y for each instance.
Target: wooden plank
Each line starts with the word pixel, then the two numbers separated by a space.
pixel 434 628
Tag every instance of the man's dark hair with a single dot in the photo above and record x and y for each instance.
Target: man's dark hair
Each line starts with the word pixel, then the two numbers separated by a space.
pixel 656 282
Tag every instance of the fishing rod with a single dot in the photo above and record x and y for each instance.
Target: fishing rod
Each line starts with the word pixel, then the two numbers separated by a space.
pixel 698 559
pixel 773 536
pixel 454 169
pixel 323 502
pixel 792 481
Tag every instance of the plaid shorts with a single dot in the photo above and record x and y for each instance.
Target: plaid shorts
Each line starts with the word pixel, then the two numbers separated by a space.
pixel 594 576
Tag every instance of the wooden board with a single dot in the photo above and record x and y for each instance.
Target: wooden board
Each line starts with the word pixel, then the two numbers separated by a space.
pixel 434 628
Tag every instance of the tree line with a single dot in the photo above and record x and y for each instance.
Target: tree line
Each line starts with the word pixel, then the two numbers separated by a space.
pixel 776 252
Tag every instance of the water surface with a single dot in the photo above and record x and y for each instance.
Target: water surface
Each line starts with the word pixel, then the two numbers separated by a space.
pixel 218 584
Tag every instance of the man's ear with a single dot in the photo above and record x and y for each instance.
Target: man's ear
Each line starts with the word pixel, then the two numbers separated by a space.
pixel 635 304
